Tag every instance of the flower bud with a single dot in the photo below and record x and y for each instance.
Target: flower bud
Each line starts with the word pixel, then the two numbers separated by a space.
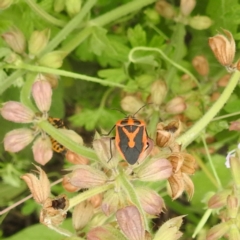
pixel 59 5
pixel 106 232
pixel 130 222
pixel 42 94
pixel 234 126
pixel 218 231
pixel 151 202
pixel 105 149
pixel 15 40
pixel 200 63
pixel 232 206
pixel 39 187
pixel 53 59
pixel 193 112
pixel 5 4
pixel 131 104
pixel 223 47
pixel 165 9
pixel 16 140
pixel 176 105
pixel 75 158
pixel 85 176
pixel 68 186
pixel 170 229
pixel 42 150
pixel 73 7
pixel 235 169
pixel 82 214
pixel 155 170
pixel 200 22
pixel 111 202
pixel 219 199
pixel 233 233
pixel 17 112
pixel 186 6
pixel 223 81
pixel 38 41
pixel 158 92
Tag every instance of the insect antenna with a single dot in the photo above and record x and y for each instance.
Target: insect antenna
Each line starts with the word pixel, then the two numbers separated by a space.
pixel 141 108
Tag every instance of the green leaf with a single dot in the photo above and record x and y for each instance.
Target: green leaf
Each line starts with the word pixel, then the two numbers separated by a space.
pixel 39 231
pixel 8 192
pixel 98 40
pixel 137 36
pixel 225 16
pixel 113 75
pixel 233 104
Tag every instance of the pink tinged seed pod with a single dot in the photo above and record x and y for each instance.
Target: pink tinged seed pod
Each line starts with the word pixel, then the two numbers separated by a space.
pixel 68 186
pixel 106 232
pixel 17 112
pixel 218 231
pixel 219 199
pixel 17 139
pixel 130 222
pixel 15 40
pixel 85 176
pixel 186 6
pixel 39 186
pixel 82 215
pixel 42 94
pixel 111 202
pixel 155 170
pixel 42 150
pixel 151 202
pixel 176 105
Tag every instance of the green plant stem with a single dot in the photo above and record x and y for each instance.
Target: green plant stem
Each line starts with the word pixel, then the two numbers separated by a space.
pixel 44 15
pixel 211 164
pixel 4 85
pixel 67 142
pixel 164 56
pixel 205 169
pixel 129 189
pixel 106 18
pixel 226 116
pixel 69 27
pixel 25 94
pixel 87 194
pixel 194 132
pixel 39 69
pixel 202 222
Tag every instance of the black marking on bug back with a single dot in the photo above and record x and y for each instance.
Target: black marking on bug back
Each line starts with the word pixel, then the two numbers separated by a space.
pixel 131 154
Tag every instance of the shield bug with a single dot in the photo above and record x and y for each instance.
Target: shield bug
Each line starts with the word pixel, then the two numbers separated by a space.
pixel 57 123
pixel 131 138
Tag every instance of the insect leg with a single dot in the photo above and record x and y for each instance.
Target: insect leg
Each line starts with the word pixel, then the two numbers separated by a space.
pixel 111 154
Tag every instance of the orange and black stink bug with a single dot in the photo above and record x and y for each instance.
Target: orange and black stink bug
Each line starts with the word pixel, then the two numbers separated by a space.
pixel 57 123
pixel 131 138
